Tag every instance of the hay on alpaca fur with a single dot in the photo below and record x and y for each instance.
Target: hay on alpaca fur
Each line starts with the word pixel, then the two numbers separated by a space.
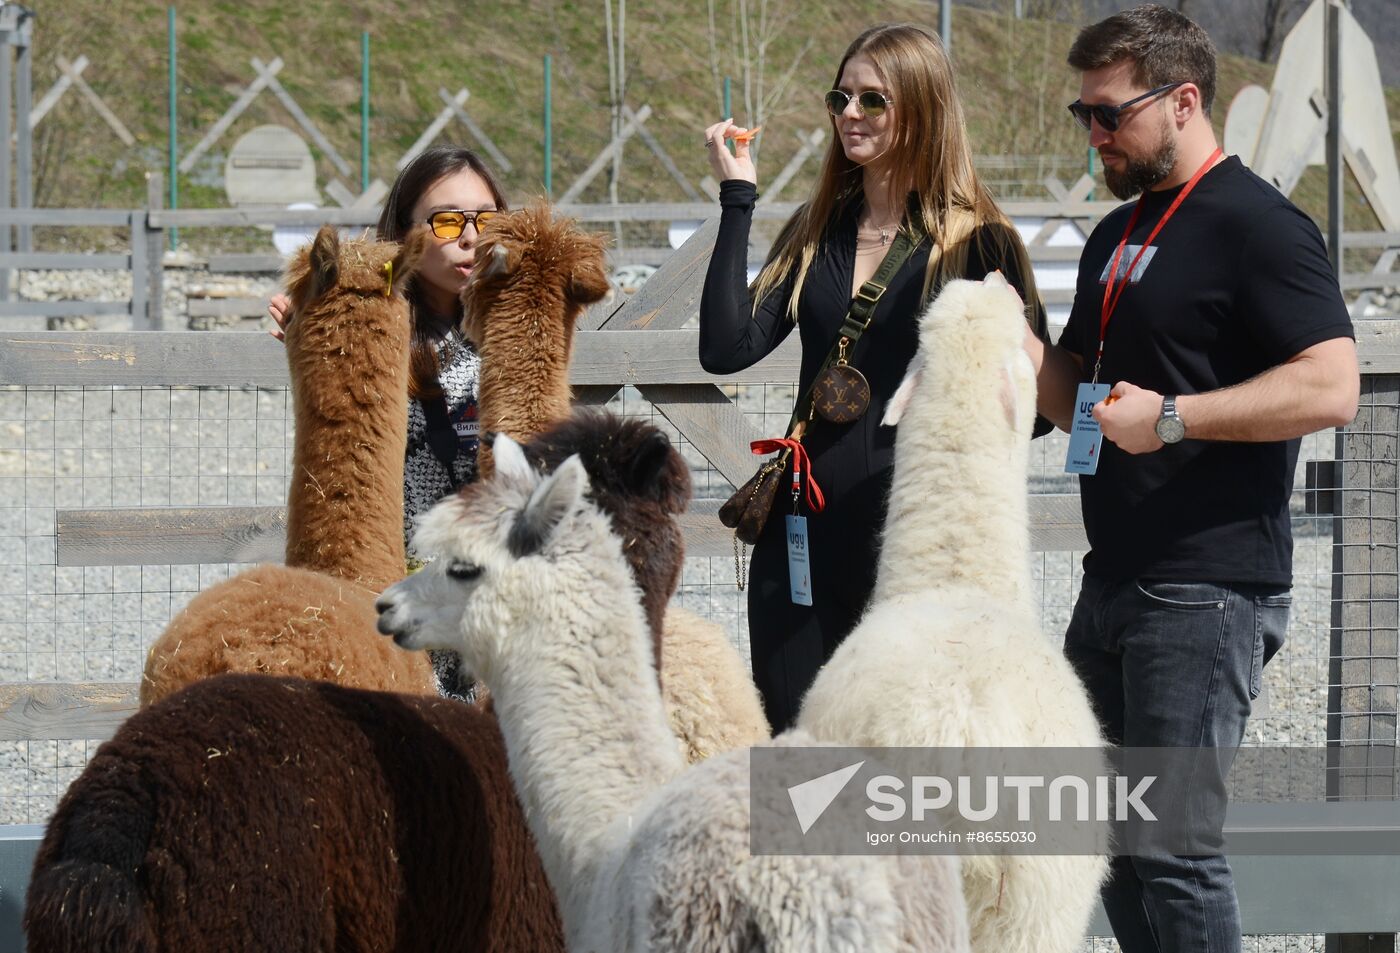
pixel 950 653
pixel 249 812
pixel 347 349
pixel 642 856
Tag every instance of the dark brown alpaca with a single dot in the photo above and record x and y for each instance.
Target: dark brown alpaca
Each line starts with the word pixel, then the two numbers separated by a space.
pixel 520 309
pixel 347 349
pixel 258 813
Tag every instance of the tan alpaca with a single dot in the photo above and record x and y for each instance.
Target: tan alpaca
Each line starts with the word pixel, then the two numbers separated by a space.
pixel 537 274
pixel 347 350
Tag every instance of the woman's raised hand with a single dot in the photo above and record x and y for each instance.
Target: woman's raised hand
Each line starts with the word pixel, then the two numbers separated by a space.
pixel 278 307
pixel 726 166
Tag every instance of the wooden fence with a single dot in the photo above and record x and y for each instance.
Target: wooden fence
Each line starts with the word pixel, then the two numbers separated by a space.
pixel 148 235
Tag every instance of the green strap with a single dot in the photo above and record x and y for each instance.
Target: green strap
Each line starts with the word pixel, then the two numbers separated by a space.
pixel 862 310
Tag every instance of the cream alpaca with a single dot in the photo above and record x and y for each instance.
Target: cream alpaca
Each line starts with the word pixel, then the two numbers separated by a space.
pixel 643 855
pixel 347 350
pixel 950 652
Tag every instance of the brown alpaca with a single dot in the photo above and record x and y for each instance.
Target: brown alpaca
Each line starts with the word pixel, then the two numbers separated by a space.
pixel 347 350
pixel 520 310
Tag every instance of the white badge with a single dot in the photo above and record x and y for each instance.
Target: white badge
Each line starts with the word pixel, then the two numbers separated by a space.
pixel 799 565
pixel 1085 435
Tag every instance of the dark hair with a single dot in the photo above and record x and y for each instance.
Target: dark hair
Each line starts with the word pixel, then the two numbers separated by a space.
pixel 1165 47
pixel 395 221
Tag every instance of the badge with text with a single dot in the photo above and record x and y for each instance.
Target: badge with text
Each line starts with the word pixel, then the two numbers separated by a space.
pixel 1085 435
pixel 799 565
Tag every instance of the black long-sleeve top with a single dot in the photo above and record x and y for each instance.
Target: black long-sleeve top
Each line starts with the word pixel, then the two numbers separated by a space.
pixel 852 462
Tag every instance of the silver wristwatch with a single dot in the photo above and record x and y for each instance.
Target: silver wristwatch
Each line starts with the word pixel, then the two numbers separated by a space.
pixel 1170 428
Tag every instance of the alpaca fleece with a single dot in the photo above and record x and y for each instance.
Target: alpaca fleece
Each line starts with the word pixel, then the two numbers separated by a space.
pixel 347 350
pixel 256 813
pixel 643 854
pixel 950 652
pixel 535 274
pixel 710 697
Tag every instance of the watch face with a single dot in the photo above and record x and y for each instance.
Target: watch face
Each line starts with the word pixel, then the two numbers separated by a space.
pixel 1170 429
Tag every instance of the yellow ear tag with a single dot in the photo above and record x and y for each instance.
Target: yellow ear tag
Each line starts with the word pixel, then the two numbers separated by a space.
pixel 388 278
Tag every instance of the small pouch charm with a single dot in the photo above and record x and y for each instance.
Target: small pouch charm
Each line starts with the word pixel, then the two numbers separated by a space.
pixel 841 394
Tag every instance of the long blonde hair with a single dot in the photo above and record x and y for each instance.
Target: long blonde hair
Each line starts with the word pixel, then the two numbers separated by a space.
pixel 930 150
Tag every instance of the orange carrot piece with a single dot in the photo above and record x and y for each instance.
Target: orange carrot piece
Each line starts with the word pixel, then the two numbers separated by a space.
pixel 747 136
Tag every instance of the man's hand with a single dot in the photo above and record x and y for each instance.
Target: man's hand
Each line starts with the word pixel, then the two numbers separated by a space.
pixel 1128 416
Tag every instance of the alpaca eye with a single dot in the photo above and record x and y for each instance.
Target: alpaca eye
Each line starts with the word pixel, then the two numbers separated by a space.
pixel 463 571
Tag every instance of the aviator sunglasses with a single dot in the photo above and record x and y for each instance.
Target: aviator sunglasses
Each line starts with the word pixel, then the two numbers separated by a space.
pixel 452 222
pixel 1108 116
pixel 869 102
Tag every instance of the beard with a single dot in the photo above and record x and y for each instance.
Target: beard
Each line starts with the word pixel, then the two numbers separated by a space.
pixel 1139 175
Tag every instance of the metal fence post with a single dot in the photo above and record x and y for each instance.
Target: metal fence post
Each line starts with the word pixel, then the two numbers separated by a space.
pixel 140 273
pixel 155 256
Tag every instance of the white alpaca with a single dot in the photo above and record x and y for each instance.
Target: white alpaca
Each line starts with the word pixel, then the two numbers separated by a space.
pixel 950 652
pixel 643 854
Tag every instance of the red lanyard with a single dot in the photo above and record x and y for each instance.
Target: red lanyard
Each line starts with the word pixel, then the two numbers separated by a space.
pixel 815 500
pixel 1110 299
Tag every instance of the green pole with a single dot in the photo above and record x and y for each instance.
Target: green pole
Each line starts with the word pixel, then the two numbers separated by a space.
pixel 548 127
pixel 728 113
pixel 174 151
pixel 364 112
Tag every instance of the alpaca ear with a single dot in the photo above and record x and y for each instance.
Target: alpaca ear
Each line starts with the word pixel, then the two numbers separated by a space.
pixel 899 403
pixel 325 261
pixel 648 473
pixel 410 256
pixel 510 461
pixel 589 285
pixel 554 499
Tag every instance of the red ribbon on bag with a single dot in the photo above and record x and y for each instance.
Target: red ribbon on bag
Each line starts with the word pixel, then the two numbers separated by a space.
pixel 815 500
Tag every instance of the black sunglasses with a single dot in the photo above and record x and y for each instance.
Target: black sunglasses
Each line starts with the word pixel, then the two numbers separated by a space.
pixel 870 102
pixel 452 222
pixel 1107 116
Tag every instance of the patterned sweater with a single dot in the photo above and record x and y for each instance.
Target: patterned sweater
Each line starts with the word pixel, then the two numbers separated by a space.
pixel 425 478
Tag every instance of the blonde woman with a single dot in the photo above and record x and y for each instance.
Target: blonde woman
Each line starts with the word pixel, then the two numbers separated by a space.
pixel 899 161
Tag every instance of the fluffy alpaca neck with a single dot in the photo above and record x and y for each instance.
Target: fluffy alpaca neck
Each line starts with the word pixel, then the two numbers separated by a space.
pixel 957 511
pixel 585 727
pixel 525 370
pixel 345 501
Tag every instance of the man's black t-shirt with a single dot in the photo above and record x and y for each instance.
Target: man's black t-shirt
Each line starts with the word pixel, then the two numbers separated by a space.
pixel 1236 282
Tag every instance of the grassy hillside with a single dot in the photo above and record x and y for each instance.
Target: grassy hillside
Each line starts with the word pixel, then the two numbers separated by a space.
pixel 1011 73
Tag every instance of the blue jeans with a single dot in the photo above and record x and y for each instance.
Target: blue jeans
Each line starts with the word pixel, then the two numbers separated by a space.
pixel 1174 664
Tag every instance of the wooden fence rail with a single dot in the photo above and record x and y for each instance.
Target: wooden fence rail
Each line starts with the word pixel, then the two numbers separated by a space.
pixel 148 228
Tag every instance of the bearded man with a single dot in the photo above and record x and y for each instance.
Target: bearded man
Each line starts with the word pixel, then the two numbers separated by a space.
pixel 1208 334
